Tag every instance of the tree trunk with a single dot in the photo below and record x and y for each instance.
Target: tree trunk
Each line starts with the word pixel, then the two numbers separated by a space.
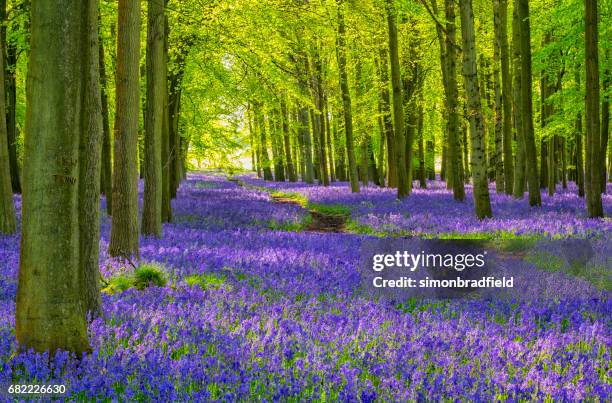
pixel 593 174
pixel 578 140
pixel 156 80
pixel 385 102
pixel 89 166
pixel 61 178
pixel 10 66
pixel 452 103
pixel 261 128
pixel 328 141
pixel 506 96
pixel 527 106
pixel 304 134
pixel 106 163
pixel 470 75
pixel 287 142
pixel 499 129
pixel 403 187
pixel 605 126
pixel 124 226
pixel 346 99
pixel 421 149
pixel 319 98
pixel 8 219
pixel 518 187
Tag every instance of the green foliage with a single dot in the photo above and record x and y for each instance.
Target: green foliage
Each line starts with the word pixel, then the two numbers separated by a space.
pixel 207 281
pixel 149 274
pixel 144 276
pixel 330 209
pixel 597 274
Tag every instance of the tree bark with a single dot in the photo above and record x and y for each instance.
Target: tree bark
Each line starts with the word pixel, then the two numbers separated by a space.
pixel 527 106
pixel 8 219
pixel 593 174
pixel 261 128
pixel 106 163
pixel 346 99
pixel 156 80
pixel 124 226
pixel 482 202
pixel 403 187
pixel 10 66
pixel 287 142
pixel 499 128
pixel 89 166
pixel 518 187
pixel 328 141
pixel 385 103
pixel 452 104
pixel 506 96
pixel 61 178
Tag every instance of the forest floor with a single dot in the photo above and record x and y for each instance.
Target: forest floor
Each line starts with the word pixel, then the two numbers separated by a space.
pixel 260 303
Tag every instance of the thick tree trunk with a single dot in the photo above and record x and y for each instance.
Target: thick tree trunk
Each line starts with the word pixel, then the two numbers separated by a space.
pixel 346 99
pixel 470 75
pixel 156 80
pixel 8 220
pixel 593 174
pixel 61 178
pixel 403 187
pixel 527 106
pixel 124 227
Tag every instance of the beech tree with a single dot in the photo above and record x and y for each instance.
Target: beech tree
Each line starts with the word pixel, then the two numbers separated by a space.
pixel 124 226
pixel 482 202
pixel 156 81
pixel 592 117
pixel 8 221
pixel 58 265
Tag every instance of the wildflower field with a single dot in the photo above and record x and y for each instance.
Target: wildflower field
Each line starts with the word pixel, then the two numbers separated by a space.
pixel 239 301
